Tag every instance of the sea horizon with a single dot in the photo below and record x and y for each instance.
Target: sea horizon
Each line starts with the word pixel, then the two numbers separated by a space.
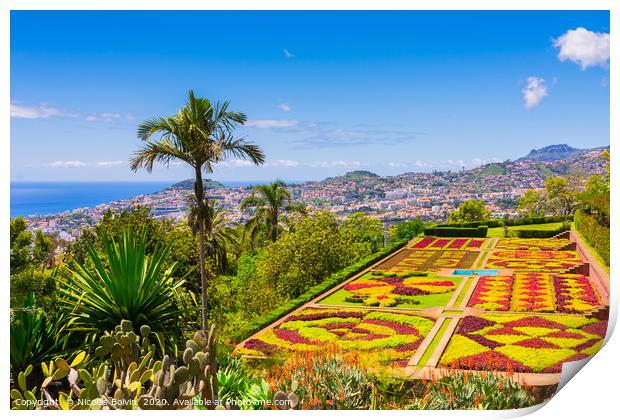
pixel 42 198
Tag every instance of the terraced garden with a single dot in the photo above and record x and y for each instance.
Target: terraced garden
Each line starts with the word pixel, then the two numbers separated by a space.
pixel 409 314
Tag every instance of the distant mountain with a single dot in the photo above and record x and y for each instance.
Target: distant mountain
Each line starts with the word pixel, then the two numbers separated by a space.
pixel 188 184
pixel 353 176
pixel 553 153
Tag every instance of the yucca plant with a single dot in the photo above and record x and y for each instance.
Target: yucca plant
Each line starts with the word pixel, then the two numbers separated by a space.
pixel 34 338
pixel 124 283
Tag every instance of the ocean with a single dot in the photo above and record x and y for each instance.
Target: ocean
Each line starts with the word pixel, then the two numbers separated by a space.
pixel 42 198
pixel 30 198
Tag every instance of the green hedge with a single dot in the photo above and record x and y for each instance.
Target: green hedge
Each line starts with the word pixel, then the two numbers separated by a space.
pixel 468 232
pixel 332 281
pixel 533 233
pixel 510 222
pixel 597 235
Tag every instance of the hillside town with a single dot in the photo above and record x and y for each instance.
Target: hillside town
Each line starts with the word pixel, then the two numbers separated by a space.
pixel 431 196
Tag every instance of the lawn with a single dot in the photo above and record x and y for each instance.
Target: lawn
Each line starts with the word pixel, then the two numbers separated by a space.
pixel 498 232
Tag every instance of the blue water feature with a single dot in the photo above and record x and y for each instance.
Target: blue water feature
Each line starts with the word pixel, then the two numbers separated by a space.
pixel 475 272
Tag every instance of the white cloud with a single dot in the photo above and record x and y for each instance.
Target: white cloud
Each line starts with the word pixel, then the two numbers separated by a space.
pixel 534 91
pixel 284 107
pixel 336 163
pixel 110 117
pixel 37 112
pixel 235 163
pixel 584 47
pixel 397 165
pixel 286 163
pixel 67 164
pixel 288 54
pixel 107 164
pixel 272 123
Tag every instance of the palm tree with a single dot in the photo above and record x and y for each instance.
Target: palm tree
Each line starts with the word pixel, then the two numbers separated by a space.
pixel 218 233
pixel 269 202
pixel 200 134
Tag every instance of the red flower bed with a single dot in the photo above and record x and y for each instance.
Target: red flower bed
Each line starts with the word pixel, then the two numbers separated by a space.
pixel 536 343
pixel 256 344
pixel 408 291
pixel 323 315
pixel 293 337
pixel 457 243
pixel 440 243
pixel 599 328
pixel 535 321
pixel 491 360
pixel 473 323
pixel 399 328
pixel 475 243
pixel 423 243
pixel 480 339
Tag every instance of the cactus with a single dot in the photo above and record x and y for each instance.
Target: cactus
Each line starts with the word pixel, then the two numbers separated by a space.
pixel 128 376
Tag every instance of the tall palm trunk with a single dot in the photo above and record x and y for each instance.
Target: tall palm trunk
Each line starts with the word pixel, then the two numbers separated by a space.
pixel 199 193
pixel 274 226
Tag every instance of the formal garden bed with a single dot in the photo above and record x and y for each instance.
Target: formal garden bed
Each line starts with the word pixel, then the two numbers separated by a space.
pixel 433 243
pixel 522 343
pixel 530 260
pixel 414 291
pixel 536 292
pixel 403 316
pixel 386 338
pixel 548 244
pixel 428 260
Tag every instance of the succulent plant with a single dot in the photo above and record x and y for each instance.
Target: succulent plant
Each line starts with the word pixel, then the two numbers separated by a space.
pixel 128 377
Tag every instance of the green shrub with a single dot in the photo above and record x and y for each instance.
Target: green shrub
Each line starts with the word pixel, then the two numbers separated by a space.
pixel 449 231
pixel 534 233
pixel 597 235
pixel 34 338
pixel 493 223
pixel 315 291
pixel 481 391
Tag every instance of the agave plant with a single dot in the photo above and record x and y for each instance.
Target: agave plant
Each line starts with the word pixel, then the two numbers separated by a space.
pixel 238 388
pixel 34 338
pixel 481 391
pixel 125 283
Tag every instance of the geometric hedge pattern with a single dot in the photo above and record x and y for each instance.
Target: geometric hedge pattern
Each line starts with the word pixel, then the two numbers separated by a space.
pixel 536 292
pixel 522 343
pixel 545 323
pixel 383 337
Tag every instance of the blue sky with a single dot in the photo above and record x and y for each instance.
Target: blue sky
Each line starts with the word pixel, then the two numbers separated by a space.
pixel 325 92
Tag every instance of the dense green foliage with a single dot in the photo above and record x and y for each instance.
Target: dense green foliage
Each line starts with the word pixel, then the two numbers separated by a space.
pixel 407 229
pixel 31 259
pixel 469 211
pixel 447 231
pixel 493 223
pixel 269 204
pixel 304 257
pixel 34 337
pixel 596 234
pixel 330 282
pixel 129 284
pixel 540 233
